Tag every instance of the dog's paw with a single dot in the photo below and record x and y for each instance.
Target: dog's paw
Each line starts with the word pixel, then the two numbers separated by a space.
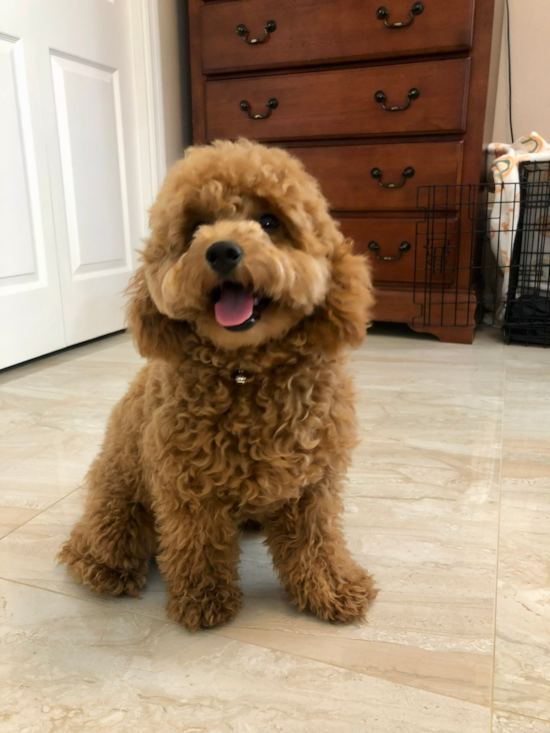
pixel 341 600
pixel 204 611
pixel 100 577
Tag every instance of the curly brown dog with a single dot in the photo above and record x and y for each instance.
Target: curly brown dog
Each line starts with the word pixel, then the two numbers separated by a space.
pixel 247 302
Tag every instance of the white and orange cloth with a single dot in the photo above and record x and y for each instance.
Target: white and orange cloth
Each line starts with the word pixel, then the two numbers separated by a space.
pixel 505 210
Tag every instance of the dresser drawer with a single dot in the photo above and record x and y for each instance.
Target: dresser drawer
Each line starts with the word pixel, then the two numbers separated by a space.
pixel 341 103
pixel 314 31
pixel 395 240
pixel 374 177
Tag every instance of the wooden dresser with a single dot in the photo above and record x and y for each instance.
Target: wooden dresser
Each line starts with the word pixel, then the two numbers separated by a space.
pixel 375 99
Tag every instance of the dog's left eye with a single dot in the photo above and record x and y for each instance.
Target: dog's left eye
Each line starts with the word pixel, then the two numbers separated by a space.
pixel 268 222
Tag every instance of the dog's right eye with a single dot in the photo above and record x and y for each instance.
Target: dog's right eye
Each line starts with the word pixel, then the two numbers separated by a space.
pixel 269 222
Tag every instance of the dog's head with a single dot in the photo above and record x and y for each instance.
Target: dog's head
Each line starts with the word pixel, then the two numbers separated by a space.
pixel 242 250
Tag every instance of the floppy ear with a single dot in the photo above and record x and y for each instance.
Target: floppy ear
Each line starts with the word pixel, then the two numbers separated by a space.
pixel 155 334
pixel 345 315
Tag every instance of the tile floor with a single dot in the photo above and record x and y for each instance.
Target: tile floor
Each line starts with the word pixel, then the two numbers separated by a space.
pixel 448 504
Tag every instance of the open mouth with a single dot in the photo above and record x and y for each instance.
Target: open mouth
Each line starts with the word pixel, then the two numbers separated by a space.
pixel 236 308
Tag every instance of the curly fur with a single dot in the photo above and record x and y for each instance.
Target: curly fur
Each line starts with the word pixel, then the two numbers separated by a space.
pixel 190 455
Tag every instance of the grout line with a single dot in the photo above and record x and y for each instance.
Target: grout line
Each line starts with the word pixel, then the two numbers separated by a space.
pixel 546 721
pixel 495 617
pixel 93 600
pixel 38 514
pixel 220 632
pixel 104 630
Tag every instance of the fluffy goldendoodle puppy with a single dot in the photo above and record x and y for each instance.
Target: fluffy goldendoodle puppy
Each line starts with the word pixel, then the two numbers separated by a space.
pixel 246 304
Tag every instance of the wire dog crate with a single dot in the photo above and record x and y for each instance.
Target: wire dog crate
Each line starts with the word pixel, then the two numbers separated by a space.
pixel 485 258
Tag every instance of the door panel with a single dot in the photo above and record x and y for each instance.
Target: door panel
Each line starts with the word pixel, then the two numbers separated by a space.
pixel 87 101
pixel 31 320
pixel 70 190
pixel 16 263
pixel 88 86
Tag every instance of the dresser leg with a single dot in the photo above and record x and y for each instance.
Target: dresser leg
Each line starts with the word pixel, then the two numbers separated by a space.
pixel 448 334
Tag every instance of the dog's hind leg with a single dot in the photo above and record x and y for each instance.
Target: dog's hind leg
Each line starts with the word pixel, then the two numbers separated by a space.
pixel 110 548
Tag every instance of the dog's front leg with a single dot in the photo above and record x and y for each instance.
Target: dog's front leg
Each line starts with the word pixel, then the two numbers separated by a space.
pixel 310 555
pixel 198 558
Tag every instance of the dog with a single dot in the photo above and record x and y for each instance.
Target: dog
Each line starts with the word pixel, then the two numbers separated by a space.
pixel 246 306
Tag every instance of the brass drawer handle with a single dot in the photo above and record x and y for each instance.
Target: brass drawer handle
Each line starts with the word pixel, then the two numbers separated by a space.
pixel 412 94
pixel 403 247
pixel 376 173
pixel 269 27
pixel 382 14
pixel 271 105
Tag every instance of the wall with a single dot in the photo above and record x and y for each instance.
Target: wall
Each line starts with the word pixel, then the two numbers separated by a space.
pixel 174 59
pixel 529 26
pixel 171 95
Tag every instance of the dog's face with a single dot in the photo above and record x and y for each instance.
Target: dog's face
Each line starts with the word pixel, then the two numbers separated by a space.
pixel 242 250
pixel 243 271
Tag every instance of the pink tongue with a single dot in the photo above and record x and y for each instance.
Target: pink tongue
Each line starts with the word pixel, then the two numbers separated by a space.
pixel 234 307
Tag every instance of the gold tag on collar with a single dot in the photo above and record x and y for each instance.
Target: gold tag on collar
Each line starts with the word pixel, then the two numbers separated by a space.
pixel 240 377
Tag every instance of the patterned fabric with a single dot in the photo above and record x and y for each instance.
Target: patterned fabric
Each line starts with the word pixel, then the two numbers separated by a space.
pixel 505 210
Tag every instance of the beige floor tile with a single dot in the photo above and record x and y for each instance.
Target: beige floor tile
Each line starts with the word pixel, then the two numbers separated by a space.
pixel 421 513
pixel 75 381
pixel 39 466
pixel 28 555
pixel 522 654
pixel 12 517
pixel 399 339
pixel 69 666
pixel 510 723
pixel 52 421
pixel 409 648
pixel 111 347
pixel 56 439
pixel 119 348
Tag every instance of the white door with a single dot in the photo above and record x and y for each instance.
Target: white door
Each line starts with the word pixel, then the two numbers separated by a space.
pixel 71 146
pixel 31 320
pixel 88 89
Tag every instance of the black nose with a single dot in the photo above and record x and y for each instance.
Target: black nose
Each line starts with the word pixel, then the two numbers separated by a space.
pixel 223 256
